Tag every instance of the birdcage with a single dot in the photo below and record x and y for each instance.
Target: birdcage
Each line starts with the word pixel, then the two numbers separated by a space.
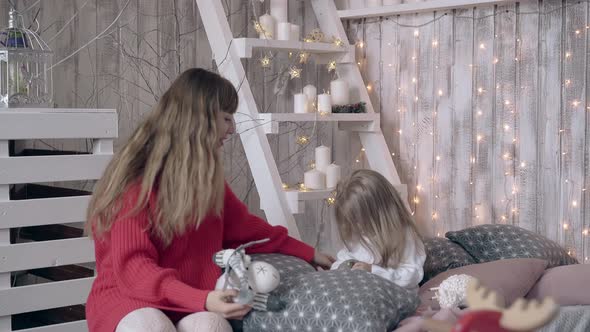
pixel 25 66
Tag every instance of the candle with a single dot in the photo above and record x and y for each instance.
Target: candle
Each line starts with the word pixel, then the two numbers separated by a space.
pixel 267 23
pixel 333 173
pixel 311 92
pixel 295 32
pixel 300 103
pixel 391 2
pixel 339 91
pixel 374 3
pixel 323 158
pixel 283 31
pixel 324 103
pixel 278 10
pixel 314 179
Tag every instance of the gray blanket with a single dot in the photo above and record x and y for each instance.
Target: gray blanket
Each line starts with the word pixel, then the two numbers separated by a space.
pixel 570 319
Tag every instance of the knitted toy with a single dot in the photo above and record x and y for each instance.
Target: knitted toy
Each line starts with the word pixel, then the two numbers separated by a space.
pixel 253 280
pixel 452 292
pixel 487 313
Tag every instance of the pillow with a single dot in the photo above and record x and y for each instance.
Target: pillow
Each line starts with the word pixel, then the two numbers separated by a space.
pixel 488 243
pixel 567 285
pixel 511 278
pixel 339 300
pixel 442 255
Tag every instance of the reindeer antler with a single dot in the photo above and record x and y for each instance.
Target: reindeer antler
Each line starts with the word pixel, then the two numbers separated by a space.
pixel 481 298
pixel 528 315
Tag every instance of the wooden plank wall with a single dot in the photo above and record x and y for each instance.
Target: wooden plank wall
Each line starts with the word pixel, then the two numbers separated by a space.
pixel 477 135
pixel 493 108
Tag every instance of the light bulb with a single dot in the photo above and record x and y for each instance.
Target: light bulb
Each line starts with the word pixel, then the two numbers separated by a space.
pixel 416 33
pixel 482 46
pixel 566 226
pixel 574 203
pixel 440 92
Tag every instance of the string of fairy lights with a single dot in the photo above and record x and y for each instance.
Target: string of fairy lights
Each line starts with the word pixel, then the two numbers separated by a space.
pixel 507 209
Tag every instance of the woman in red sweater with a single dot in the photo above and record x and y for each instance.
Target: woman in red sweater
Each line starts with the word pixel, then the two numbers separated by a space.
pixel 162 209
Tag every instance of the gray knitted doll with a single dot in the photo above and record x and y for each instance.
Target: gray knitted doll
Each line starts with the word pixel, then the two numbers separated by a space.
pixel 254 281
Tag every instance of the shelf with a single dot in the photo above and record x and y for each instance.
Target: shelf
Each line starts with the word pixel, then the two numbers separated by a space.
pixel 418 7
pixel 297 198
pixel 361 122
pixel 245 47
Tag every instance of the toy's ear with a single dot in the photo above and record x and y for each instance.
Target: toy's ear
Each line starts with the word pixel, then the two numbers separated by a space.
pixel 221 258
pixel 247 260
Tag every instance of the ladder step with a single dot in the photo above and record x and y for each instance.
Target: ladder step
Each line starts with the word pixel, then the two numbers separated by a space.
pixel 417 7
pixel 353 122
pixel 245 47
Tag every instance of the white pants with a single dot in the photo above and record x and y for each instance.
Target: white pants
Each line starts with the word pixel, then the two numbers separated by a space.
pixel 154 320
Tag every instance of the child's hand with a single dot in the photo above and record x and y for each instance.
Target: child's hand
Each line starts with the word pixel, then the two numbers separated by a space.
pixel 322 260
pixel 362 266
pixel 221 302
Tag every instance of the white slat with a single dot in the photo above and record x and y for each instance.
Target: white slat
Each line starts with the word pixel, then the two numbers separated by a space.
pixel 57 123
pixel 45 211
pixel 417 7
pixel 33 255
pixel 44 296
pixel 77 326
pixel 52 168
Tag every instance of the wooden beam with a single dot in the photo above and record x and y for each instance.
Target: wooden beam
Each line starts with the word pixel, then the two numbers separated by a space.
pixel 418 7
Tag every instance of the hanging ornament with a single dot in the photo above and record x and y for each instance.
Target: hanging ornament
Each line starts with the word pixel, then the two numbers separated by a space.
pixel 295 72
pixel 331 66
pixel 258 27
pixel 315 36
pixel 331 200
pixel 265 61
pixel 303 57
pixel 337 41
pixel 302 140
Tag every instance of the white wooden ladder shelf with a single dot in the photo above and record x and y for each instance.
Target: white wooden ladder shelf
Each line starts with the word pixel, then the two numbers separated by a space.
pixel 278 204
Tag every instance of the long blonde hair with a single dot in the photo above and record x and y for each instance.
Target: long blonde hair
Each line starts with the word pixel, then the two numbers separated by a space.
pixel 369 211
pixel 176 150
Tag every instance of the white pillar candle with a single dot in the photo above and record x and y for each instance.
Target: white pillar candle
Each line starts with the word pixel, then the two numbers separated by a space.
pixel 391 2
pixel 340 92
pixel 311 92
pixel 333 173
pixel 295 32
pixel 374 3
pixel 267 23
pixel 314 179
pixel 324 103
pixel 284 31
pixel 278 10
pixel 300 103
pixel 323 158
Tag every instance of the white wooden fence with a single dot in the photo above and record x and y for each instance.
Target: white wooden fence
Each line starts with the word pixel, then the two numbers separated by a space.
pixel 32 124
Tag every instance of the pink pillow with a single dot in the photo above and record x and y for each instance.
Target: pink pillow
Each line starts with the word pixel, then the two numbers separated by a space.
pixel 511 278
pixel 567 285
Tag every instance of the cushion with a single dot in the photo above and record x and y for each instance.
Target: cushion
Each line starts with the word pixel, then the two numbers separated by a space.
pixel 488 243
pixel 567 285
pixel 511 278
pixel 336 300
pixel 442 255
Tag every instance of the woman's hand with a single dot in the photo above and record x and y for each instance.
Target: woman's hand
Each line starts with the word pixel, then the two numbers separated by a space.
pixel 362 266
pixel 322 260
pixel 221 303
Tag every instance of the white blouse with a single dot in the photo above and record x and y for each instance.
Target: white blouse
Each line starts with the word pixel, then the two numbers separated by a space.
pixel 407 274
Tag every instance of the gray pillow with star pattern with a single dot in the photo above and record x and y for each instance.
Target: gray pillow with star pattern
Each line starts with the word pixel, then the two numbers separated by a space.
pixel 488 243
pixel 442 255
pixel 339 300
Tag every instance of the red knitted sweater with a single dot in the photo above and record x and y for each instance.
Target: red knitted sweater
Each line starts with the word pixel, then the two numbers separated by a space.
pixel 134 270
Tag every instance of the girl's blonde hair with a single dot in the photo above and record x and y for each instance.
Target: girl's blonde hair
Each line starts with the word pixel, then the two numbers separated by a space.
pixel 176 150
pixel 369 211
